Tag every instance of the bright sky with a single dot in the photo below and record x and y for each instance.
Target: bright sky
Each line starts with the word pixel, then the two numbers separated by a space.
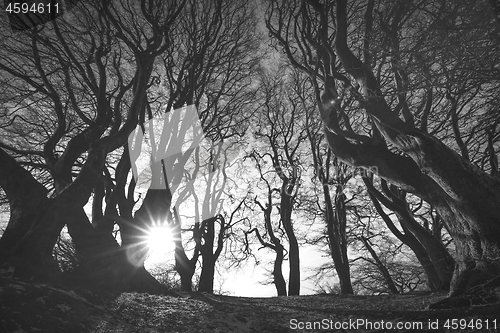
pixel 237 282
pixel 246 282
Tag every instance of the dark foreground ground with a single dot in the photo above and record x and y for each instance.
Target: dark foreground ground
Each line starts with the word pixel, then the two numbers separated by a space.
pixel 33 307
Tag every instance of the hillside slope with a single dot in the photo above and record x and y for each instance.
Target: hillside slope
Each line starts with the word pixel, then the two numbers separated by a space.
pixel 35 307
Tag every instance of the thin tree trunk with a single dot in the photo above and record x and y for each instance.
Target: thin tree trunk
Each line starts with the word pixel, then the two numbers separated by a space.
pixel 293 252
pixel 336 224
pixel 275 245
pixel 383 270
pixel 279 280
pixel 184 266
pixel 432 255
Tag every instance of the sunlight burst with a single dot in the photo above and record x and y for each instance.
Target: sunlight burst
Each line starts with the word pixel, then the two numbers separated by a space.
pixel 160 243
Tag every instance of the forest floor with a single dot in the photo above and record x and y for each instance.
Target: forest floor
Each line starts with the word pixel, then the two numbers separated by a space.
pixel 34 307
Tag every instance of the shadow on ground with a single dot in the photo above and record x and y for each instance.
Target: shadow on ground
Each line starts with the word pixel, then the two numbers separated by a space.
pixel 35 307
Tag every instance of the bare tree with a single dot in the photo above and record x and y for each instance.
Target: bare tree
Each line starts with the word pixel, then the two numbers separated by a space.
pixel 74 68
pixel 282 133
pixel 391 286
pixel 214 69
pixel 430 251
pixel 219 222
pixel 106 69
pixel 404 91
pixel 274 242
pixel 331 174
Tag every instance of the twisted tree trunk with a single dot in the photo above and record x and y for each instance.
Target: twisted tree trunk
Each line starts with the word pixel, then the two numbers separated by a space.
pixel 336 220
pixel 464 196
pixel 432 255
pixel 391 286
pixel 293 252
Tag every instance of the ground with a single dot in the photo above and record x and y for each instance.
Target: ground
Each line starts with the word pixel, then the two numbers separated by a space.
pixel 35 307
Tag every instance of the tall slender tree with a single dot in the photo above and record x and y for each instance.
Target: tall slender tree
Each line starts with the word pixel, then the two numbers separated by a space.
pixel 332 176
pixel 283 133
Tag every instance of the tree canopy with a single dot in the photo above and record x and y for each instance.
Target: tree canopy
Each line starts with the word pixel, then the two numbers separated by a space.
pixel 368 130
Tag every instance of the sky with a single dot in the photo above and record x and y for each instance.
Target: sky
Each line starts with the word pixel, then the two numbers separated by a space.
pixel 246 281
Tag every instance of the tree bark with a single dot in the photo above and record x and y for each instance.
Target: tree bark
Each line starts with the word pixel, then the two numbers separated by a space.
pixel 463 195
pixel 391 286
pixel 184 266
pixel 279 280
pixel 293 252
pixel 336 223
pixel 208 266
pixel 27 199
pixel 431 253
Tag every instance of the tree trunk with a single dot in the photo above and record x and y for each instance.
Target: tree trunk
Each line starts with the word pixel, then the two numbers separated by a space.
pixel 27 200
pixel 293 251
pixel 185 267
pixel 440 258
pixel 36 222
pixel 294 277
pixel 32 254
pixel 208 253
pixel 207 275
pixel 465 197
pixel 279 280
pixel 89 243
pixel 208 266
pixel 274 244
pixel 432 255
pixel 335 214
pixel 336 225
pixel 391 286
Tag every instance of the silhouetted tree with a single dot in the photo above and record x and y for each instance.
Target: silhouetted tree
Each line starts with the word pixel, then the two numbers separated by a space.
pixel 274 243
pixel 80 85
pixel 333 177
pixel 430 251
pixel 391 286
pixel 416 72
pixel 281 134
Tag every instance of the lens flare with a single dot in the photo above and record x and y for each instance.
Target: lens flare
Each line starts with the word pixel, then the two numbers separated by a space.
pixel 160 243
